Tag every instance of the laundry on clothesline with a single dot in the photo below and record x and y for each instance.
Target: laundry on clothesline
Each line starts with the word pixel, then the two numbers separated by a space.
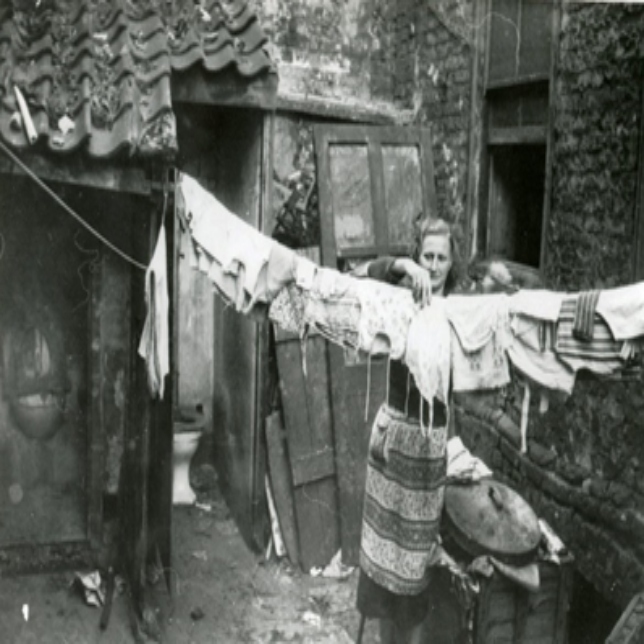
pixel 154 346
pixel 247 268
pixel 547 336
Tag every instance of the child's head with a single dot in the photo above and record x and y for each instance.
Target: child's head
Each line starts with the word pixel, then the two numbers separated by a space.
pixel 497 278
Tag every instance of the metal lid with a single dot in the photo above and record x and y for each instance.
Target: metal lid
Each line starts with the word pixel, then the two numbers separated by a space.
pixel 489 518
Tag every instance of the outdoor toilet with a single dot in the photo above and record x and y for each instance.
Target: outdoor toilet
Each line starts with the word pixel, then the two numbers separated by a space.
pixel 188 427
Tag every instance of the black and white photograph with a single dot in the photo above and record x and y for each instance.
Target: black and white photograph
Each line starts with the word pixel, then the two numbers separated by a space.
pixel 321 322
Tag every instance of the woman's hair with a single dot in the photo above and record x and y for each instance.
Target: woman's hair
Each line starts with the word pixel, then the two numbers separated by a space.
pixel 426 226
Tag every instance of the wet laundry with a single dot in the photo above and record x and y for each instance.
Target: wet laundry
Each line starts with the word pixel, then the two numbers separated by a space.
pixel 584 322
pixel 480 336
pixel 470 340
pixel 246 267
pixel 154 346
pixel 622 308
pixel 598 352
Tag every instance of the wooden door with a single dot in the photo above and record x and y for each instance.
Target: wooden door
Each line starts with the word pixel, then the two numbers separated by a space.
pixel 239 341
pixel 373 182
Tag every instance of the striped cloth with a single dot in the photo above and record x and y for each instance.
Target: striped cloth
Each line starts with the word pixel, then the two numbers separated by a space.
pixel 602 354
pixel 584 323
pixel 403 502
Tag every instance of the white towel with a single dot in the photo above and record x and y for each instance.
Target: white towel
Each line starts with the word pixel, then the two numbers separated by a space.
pixel 154 346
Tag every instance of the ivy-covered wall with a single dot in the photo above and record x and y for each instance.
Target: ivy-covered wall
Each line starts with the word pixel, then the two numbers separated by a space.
pixel 583 468
pixel 598 434
pixel 598 95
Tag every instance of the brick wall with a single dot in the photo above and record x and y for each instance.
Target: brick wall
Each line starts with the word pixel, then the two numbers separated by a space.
pixel 443 90
pixel 599 518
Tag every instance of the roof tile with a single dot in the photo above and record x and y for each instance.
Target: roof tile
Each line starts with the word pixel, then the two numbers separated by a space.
pixel 105 65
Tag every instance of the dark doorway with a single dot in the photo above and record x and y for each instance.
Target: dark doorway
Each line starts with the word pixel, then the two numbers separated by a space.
pixel 517 188
pixel 591 617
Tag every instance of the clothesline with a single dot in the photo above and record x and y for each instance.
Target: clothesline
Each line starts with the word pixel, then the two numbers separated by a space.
pixel 68 209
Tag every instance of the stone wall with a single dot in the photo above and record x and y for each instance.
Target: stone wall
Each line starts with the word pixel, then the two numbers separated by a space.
pixel 332 52
pixel 440 91
pixel 599 518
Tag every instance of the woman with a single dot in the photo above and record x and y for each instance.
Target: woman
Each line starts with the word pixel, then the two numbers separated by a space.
pixel 404 495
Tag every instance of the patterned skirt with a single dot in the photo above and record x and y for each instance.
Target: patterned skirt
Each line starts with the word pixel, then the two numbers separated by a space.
pixel 403 502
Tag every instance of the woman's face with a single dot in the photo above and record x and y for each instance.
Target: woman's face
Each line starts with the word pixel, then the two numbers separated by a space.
pixel 436 257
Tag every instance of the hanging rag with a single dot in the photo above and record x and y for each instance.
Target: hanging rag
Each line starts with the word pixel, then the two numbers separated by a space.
pixel 154 346
pixel 538 361
pixel 477 320
pixel 525 415
pixel 480 336
pixel 602 355
pixel 238 249
pixel 622 309
pixel 584 322
pixel 538 304
pixel 428 354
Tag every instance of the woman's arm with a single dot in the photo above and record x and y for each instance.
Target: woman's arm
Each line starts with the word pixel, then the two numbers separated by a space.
pixel 394 269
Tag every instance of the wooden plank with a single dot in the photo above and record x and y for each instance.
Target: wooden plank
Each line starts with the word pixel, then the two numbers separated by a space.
pixel 521 615
pixel 161 438
pixel 314 466
pixel 550 142
pixel 524 79
pixel 79 169
pixel 505 612
pixel 195 85
pixel 520 135
pixel 360 112
pixel 563 602
pixel 307 417
pixel 95 350
pixel 235 179
pixel 282 485
pixel 317 521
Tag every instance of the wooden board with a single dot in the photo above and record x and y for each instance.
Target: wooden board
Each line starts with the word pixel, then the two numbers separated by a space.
pixel 507 613
pixel 282 484
pixel 230 167
pixel 307 417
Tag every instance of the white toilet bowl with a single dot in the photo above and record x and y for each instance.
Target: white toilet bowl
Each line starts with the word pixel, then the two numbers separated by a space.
pixel 184 448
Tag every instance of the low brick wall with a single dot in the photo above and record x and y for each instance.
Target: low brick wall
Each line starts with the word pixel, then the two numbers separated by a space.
pixel 597 519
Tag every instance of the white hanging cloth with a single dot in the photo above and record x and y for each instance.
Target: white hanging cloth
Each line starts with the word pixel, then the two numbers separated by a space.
pixel 154 346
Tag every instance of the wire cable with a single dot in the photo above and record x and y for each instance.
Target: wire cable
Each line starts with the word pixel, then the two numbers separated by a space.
pixel 68 209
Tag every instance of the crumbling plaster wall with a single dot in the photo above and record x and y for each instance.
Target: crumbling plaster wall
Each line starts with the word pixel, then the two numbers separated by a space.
pixel 333 51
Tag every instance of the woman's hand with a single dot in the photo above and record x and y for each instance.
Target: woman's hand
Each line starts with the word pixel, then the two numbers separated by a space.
pixel 421 283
